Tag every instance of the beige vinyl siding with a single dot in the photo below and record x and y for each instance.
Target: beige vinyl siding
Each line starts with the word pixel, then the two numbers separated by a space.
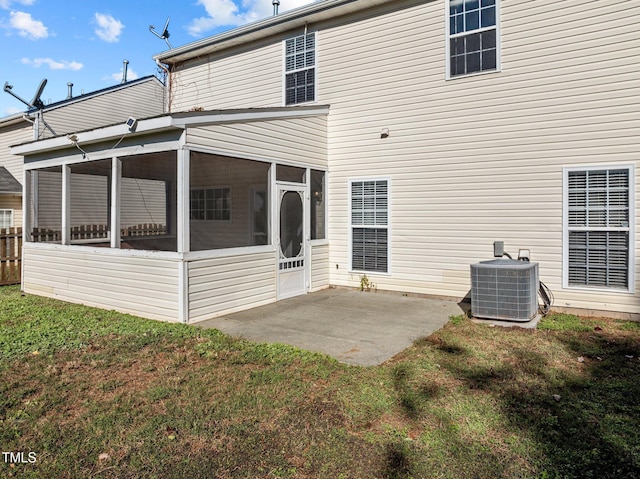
pixel 143 201
pixel 232 283
pixel 242 178
pixel 49 200
pixel 299 140
pixel 319 267
pixel 10 136
pixel 470 160
pixel 478 159
pixel 145 287
pixel 227 82
pixel 141 100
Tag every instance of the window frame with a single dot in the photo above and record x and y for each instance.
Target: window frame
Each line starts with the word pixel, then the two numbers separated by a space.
pixel 11 213
pixel 387 227
pixel 566 229
pixel 285 72
pixel 205 189
pixel 449 36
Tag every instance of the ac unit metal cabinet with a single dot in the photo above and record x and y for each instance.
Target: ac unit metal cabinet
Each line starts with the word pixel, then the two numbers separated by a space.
pixel 504 289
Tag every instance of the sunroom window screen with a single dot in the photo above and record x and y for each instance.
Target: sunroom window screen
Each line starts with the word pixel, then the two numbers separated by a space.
pixel 300 74
pixel 598 224
pixel 369 221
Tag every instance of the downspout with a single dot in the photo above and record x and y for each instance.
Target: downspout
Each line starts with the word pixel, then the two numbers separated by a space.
pixel 164 68
pixel 26 117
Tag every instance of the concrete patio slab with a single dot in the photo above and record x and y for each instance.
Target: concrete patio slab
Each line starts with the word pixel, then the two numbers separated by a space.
pixel 352 326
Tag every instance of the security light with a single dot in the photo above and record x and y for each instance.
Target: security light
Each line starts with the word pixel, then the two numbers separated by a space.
pixel 132 123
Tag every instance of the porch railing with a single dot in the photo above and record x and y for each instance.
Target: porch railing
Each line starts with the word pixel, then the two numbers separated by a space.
pixel 97 232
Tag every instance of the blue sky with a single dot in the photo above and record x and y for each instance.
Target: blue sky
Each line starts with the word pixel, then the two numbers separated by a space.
pixel 85 41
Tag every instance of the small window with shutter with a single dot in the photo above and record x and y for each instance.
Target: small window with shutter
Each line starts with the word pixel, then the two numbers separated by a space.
pixel 370 226
pixel 599 227
pixel 300 69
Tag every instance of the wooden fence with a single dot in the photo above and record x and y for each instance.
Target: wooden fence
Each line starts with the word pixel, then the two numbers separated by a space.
pixel 10 255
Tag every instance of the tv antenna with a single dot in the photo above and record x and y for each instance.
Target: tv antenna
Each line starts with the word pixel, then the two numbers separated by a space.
pixel 36 102
pixel 165 32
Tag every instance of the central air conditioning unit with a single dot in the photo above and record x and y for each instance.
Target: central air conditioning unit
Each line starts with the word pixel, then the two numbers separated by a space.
pixel 504 289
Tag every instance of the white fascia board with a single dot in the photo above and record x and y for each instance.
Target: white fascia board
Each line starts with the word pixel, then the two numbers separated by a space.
pixel 235 116
pixel 168 122
pixel 93 136
pixel 13 119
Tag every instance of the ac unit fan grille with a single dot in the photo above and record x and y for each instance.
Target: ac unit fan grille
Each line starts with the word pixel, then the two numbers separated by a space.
pixel 504 289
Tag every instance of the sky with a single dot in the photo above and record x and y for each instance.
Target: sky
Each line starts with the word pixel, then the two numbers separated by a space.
pixel 85 41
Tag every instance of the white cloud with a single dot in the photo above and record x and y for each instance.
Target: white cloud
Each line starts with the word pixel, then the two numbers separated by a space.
pixel 27 26
pixel 117 77
pixel 12 111
pixel 7 3
pixel 53 65
pixel 108 29
pixel 231 13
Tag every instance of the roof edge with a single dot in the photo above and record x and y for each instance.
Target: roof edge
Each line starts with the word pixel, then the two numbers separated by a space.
pixel 289 17
pixel 165 122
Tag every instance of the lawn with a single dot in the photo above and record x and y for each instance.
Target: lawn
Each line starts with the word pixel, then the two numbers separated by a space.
pixel 86 393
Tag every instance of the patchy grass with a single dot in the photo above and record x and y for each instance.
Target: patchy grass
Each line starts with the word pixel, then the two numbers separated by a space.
pixel 99 394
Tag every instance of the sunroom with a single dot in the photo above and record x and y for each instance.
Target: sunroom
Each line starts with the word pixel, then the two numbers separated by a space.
pixel 181 217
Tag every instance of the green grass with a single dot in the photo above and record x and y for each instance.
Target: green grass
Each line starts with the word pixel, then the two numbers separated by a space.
pixel 97 394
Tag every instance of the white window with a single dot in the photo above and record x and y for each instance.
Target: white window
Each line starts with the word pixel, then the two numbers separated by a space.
pixel 472 43
pixel 6 218
pixel 598 227
pixel 213 204
pixel 370 225
pixel 300 69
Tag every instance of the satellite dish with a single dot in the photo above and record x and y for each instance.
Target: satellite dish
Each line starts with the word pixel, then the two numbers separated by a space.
pixel 36 102
pixel 165 32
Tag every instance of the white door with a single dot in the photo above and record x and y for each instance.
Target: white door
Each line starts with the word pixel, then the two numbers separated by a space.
pixel 292 250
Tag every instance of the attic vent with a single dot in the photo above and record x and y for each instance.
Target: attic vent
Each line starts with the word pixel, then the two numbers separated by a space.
pixel 504 289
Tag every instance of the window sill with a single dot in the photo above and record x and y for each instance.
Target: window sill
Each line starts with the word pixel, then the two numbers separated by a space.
pixel 475 74
pixel 598 289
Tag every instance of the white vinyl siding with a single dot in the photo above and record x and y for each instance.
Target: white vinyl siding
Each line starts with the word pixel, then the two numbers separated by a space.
pixel 598 227
pixel 296 140
pixel 144 286
pixel 319 266
pixel 300 69
pixel 369 225
pixel 230 283
pixel 473 41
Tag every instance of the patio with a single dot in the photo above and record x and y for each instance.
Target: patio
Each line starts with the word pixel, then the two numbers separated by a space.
pixel 355 327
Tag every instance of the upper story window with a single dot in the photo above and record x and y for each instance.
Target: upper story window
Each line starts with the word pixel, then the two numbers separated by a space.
pixel 300 69
pixel 472 36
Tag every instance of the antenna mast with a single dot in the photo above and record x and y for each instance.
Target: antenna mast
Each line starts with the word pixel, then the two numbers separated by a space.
pixel 36 103
pixel 165 33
